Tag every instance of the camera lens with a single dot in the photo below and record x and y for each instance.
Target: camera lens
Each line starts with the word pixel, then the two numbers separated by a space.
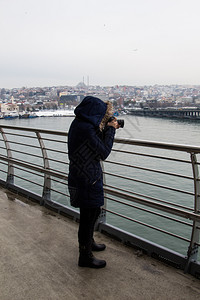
pixel 121 123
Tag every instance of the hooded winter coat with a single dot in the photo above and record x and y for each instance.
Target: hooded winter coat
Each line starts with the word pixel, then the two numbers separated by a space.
pixel 87 146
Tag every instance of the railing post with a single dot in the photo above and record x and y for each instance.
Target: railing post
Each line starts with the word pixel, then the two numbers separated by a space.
pixel 192 253
pixel 102 216
pixel 46 195
pixel 10 172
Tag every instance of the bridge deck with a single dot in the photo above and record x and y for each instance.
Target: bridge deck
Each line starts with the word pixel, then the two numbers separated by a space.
pixel 39 253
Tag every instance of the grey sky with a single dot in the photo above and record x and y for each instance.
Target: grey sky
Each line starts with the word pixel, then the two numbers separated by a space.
pixel 133 42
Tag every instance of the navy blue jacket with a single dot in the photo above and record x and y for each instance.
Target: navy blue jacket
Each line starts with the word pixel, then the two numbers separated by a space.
pixel 87 146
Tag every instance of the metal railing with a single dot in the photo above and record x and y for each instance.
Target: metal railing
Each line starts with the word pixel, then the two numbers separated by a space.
pixel 152 190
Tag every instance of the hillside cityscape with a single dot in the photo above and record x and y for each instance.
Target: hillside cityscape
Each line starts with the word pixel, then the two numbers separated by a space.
pixel 67 97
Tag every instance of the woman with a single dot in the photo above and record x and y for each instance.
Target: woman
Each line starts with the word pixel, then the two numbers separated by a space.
pixel 90 140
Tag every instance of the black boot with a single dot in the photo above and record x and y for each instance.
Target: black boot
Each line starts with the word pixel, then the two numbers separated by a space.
pixel 97 247
pixel 87 259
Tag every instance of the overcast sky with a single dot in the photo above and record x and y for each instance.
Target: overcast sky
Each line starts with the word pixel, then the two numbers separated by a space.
pixel 114 42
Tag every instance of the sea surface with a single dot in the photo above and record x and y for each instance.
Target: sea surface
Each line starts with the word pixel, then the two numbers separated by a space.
pixel 143 128
pixel 184 132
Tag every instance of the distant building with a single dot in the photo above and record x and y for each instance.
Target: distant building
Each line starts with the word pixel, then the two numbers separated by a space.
pixel 65 98
pixel 81 85
pixel 152 103
pixel 197 100
pixel 9 107
pixel 187 99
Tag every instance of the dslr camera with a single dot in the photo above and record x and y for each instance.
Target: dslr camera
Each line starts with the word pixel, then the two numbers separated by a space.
pixel 119 121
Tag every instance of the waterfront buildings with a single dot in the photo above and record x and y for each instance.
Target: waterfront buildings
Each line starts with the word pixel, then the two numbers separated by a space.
pixel 157 96
pixel 9 107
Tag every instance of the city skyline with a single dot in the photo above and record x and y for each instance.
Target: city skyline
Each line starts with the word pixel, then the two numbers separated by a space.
pixel 57 42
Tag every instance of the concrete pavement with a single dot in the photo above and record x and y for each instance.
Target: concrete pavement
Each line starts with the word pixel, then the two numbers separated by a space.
pixel 39 253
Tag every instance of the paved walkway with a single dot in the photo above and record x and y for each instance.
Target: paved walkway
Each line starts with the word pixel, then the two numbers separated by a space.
pixel 38 260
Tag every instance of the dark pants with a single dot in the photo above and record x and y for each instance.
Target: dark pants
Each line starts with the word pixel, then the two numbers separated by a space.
pixel 88 217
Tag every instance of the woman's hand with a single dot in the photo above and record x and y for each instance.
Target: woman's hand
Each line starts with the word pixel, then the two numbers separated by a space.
pixel 113 123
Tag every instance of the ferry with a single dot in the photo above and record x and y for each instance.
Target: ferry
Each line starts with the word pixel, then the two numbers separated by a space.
pixel 11 115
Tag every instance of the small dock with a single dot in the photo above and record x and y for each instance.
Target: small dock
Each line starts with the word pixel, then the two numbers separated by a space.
pixel 174 113
pixel 39 253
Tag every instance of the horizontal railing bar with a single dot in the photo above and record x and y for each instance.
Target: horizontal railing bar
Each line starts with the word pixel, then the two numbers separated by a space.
pixel 58 181
pixel 149 226
pixel 33 167
pixel 2 147
pixel 34 137
pixel 25 179
pixel 172 210
pixel 53 132
pixel 150 183
pixel 59 161
pixel 59 171
pixel 61 193
pixel 149 211
pixel 22 135
pixel 3 163
pixel 52 140
pixel 152 156
pixel 38 167
pixel 54 150
pixel 20 160
pixel 167 146
pixel 149 170
pixel 148 197
pixel 26 153
pixel 30 172
pixel 27 145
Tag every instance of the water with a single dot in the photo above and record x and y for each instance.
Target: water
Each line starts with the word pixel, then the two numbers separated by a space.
pixel 141 128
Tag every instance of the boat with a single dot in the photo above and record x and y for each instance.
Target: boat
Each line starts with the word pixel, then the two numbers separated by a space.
pixel 24 116
pixel 27 115
pixel 32 115
pixel 11 115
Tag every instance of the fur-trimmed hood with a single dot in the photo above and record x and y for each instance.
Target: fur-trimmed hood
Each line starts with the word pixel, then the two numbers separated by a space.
pixel 95 111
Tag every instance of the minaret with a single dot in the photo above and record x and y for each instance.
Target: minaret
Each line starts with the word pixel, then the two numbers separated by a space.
pixel 12 100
